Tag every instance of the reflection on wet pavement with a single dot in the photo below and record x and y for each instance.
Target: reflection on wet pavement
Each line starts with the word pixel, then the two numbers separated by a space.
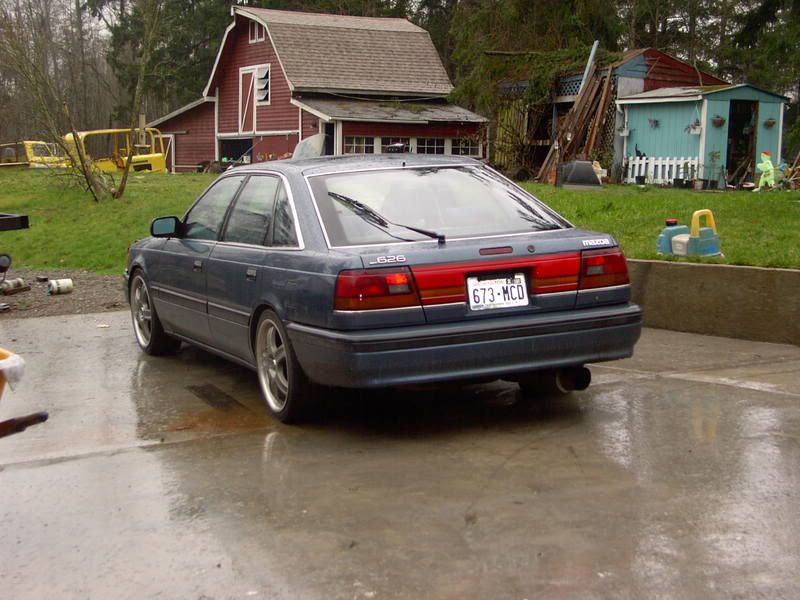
pixel 674 475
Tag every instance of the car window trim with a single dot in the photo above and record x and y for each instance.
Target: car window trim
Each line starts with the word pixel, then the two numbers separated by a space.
pixel 298 233
pixel 307 178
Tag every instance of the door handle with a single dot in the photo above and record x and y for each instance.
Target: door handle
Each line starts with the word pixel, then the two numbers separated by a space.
pixel 250 275
pixel 198 265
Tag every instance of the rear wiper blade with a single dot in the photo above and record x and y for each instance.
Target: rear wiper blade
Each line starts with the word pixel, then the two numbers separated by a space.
pixel 374 216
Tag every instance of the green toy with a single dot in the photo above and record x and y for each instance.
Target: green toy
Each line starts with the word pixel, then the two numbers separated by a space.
pixel 767 171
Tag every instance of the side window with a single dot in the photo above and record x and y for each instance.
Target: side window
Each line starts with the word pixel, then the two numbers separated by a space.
pixel 251 216
pixel 205 219
pixel 284 233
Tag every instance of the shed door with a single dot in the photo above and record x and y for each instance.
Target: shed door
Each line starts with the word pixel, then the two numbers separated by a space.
pixel 246 102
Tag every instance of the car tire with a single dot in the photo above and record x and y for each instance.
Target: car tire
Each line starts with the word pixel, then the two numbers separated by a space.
pixel 147 327
pixel 285 388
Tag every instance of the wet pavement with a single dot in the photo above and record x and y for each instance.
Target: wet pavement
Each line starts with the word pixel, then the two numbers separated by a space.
pixel 674 475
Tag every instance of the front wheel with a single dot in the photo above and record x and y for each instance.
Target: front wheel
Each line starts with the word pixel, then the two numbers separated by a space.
pixel 288 393
pixel 149 333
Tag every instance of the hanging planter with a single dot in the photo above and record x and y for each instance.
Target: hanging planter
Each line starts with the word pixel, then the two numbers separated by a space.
pixel 718 121
pixel 769 123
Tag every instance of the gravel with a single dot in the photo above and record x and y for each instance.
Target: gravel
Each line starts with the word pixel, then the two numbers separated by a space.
pixel 92 293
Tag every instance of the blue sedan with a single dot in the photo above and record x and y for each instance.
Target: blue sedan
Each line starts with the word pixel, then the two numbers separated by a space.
pixel 365 272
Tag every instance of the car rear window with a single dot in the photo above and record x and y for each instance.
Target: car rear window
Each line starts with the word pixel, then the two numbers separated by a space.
pixel 379 207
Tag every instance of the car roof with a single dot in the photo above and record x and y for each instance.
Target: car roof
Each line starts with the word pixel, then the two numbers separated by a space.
pixel 339 164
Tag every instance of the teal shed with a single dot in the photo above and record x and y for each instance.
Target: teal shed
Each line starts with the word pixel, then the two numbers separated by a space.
pixel 714 133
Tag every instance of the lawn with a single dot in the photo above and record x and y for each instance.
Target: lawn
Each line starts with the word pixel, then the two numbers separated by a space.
pixel 760 229
pixel 68 230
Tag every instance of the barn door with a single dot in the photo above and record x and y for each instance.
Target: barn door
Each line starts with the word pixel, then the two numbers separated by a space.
pixel 247 101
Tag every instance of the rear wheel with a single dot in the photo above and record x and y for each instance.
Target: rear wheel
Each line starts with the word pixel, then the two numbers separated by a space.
pixel 288 393
pixel 149 333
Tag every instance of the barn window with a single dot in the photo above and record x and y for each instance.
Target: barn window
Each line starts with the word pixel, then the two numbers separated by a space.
pixel 357 144
pixel 430 145
pixel 388 141
pixel 466 147
pixel 262 84
pixel 257 32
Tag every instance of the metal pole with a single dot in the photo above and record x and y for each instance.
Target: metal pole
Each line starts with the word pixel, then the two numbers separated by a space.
pixel 589 64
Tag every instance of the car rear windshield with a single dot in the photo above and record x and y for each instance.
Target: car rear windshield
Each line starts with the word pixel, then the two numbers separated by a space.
pixel 412 204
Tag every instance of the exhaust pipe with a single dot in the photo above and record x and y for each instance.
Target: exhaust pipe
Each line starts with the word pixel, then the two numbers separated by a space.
pixel 571 379
pixel 556 381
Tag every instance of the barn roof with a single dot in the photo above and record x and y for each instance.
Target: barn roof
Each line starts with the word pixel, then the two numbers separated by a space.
pixel 335 53
pixel 341 109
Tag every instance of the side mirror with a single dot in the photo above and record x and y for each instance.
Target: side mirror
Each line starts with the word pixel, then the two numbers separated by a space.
pixel 5 262
pixel 165 227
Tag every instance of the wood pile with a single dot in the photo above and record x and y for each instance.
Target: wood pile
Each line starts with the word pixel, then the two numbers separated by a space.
pixel 580 130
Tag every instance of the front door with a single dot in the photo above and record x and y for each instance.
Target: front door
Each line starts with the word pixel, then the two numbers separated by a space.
pixel 179 271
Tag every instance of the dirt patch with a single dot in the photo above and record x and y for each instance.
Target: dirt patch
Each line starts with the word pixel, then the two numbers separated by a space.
pixel 92 293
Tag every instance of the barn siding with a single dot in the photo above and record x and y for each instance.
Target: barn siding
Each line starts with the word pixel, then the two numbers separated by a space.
pixel 272 147
pixel 280 114
pixel 194 136
pixel 310 124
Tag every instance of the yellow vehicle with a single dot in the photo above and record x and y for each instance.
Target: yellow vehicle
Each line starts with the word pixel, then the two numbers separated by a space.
pixel 108 149
pixel 34 154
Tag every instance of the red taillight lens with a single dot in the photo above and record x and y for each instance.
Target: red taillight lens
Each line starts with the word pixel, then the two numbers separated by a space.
pixel 375 288
pixel 603 268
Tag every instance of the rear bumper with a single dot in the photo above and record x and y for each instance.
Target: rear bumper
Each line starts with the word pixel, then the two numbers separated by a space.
pixel 453 351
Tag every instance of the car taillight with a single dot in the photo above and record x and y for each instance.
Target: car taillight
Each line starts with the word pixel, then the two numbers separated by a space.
pixel 375 288
pixel 603 268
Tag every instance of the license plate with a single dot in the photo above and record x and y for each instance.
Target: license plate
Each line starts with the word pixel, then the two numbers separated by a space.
pixel 497 293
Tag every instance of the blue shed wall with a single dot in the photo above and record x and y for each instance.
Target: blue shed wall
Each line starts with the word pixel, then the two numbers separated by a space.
pixel 671 138
pixel 716 137
pixel 769 138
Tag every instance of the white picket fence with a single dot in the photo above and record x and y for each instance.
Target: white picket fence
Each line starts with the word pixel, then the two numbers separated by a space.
pixel 661 170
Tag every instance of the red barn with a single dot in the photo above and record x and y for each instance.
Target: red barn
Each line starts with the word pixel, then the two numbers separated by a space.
pixel 281 77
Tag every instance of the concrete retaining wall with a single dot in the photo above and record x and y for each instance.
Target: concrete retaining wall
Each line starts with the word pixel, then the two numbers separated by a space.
pixel 741 302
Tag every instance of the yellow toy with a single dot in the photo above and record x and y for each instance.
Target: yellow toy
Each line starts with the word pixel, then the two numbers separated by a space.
pixel 767 170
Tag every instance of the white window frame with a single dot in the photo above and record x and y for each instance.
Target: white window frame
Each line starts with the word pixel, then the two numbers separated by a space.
pixel 258 33
pixel 363 141
pixel 457 142
pixel 434 139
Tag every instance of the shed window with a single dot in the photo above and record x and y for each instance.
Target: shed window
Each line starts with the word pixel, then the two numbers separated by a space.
pixel 430 145
pixel 388 141
pixel 466 147
pixel 357 144
pixel 257 32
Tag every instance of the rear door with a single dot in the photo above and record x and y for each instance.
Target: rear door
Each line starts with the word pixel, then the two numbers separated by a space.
pixel 234 267
pixel 178 273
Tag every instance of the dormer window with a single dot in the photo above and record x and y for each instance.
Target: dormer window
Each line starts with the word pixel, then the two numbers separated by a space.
pixel 258 32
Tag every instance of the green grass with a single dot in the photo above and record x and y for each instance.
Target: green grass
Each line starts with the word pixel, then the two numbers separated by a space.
pixel 758 229
pixel 70 231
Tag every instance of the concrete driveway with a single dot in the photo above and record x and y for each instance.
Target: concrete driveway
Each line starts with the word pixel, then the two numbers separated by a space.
pixel 675 475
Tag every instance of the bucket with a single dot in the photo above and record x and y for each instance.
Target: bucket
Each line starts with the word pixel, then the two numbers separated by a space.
pixel 59 286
